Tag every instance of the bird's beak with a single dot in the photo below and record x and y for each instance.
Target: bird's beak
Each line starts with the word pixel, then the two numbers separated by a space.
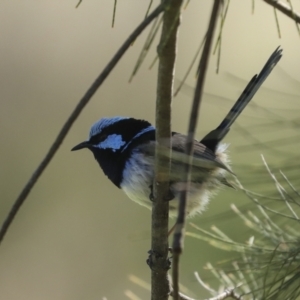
pixel 81 146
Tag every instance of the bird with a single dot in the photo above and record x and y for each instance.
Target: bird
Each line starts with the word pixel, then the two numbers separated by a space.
pixel 124 147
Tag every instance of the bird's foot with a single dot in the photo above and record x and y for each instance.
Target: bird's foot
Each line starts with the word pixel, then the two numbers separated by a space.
pixel 170 196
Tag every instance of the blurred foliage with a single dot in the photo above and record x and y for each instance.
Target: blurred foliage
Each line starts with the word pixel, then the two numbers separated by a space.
pixel 267 265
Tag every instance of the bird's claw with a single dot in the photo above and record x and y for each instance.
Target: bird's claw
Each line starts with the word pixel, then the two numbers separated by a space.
pixel 170 196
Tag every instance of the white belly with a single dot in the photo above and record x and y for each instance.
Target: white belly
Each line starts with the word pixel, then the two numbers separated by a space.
pixel 138 176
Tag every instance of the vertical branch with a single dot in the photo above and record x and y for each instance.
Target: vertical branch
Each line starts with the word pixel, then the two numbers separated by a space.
pixel 180 223
pixel 160 210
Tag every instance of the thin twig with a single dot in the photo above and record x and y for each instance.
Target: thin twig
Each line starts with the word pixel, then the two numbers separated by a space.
pixel 219 39
pixel 182 82
pixel 79 2
pixel 180 222
pixel 297 25
pixel 149 40
pixel 68 124
pixel 230 293
pixel 203 284
pixel 290 184
pixel 181 296
pixel 285 9
pixel 277 23
pixel 149 7
pixel 114 14
pixel 279 188
pixel 186 5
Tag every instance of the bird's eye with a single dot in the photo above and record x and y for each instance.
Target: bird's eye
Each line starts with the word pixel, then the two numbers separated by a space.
pixel 96 139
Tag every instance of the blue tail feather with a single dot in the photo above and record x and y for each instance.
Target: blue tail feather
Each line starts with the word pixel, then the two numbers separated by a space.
pixel 212 139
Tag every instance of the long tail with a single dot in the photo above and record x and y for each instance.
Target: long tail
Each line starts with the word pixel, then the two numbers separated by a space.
pixel 212 139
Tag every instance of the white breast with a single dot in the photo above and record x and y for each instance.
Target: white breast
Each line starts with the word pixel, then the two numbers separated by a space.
pixel 137 178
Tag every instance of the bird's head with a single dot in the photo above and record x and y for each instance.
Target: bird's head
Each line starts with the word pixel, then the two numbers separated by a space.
pixel 112 139
pixel 114 134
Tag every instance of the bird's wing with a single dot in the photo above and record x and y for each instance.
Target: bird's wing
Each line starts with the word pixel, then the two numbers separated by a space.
pixel 203 157
pixel 204 160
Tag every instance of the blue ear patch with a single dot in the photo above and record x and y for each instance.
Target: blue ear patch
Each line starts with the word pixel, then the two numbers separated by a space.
pixel 113 142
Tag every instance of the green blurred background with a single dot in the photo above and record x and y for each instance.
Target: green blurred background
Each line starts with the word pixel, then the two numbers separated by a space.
pixel 77 236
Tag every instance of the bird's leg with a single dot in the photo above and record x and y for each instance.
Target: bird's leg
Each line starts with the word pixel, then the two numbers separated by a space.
pixel 151 196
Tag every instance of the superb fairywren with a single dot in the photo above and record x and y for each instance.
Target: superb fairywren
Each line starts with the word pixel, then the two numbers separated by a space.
pixel 125 148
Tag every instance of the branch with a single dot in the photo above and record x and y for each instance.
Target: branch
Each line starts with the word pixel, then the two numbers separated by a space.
pixel 66 127
pixel 224 295
pixel 180 223
pixel 181 296
pixel 227 294
pixel 285 9
pixel 160 209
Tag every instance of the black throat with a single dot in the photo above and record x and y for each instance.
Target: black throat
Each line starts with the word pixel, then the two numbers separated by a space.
pixel 111 163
